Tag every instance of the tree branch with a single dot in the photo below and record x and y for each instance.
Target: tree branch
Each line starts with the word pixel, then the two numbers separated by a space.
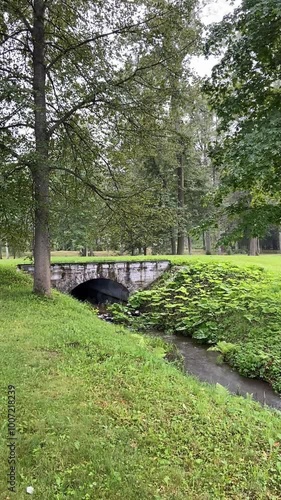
pixel 20 14
pixel 13 125
pixel 21 160
pixel 97 37
pixel 68 114
pixel 17 168
pixel 92 186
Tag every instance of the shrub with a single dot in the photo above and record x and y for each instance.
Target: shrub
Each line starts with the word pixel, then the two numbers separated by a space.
pixel 224 305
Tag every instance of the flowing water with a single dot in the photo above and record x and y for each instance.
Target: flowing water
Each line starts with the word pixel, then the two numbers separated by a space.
pixel 203 364
pixel 200 362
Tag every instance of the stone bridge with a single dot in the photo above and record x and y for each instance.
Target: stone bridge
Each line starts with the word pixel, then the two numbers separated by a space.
pixel 131 275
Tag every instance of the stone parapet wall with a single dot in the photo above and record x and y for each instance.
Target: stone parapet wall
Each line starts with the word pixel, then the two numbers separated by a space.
pixel 133 275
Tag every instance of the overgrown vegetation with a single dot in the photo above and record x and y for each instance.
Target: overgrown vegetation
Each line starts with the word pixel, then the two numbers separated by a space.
pixel 101 415
pixel 239 309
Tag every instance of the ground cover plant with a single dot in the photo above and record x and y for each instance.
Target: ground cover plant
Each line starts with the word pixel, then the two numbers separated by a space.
pixel 236 309
pixel 100 414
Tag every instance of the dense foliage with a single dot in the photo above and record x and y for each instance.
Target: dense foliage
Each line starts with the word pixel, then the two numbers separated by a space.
pixel 245 91
pixel 77 80
pixel 237 309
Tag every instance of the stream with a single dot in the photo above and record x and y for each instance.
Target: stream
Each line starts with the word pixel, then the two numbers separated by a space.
pixel 200 362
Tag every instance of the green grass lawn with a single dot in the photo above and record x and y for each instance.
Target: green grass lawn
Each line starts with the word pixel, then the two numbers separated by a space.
pixel 269 262
pixel 100 414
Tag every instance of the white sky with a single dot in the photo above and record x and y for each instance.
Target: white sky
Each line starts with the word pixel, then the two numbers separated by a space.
pixel 211 13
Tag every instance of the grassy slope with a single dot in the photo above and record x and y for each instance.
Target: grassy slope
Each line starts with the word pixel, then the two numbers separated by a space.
pixel 101 415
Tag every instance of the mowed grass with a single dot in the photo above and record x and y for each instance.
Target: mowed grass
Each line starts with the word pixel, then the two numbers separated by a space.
pixel 101 415
pixel 269 262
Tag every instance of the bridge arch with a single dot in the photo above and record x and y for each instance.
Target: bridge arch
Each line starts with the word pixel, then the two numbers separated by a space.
pixel 100 290
pixel 135 275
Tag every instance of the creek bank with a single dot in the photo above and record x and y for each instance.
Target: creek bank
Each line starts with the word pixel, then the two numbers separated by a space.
pixel 202 363
pixel 235 310
pixel 199 361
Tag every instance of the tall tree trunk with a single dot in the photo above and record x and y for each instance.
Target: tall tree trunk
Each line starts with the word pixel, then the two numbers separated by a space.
pixel 173 245
pixel 208 243
pixel 7 251
pixel 180 175
pixel 144 250
pixel 253 246
pixel 40 170
pixel 174 241
pixel 189 243
pixel 204 241
pixel 1 256
pixel 218 235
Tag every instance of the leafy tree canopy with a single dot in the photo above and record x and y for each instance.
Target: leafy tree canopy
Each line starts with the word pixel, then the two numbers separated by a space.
pixel 72 74
pixel 245 91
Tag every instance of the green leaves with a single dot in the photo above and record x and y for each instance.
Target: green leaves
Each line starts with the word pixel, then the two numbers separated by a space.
pixel 236 309
pixel 245 93
pixel 106 89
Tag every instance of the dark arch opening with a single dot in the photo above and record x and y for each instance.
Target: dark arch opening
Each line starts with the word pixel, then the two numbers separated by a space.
pixel 101 291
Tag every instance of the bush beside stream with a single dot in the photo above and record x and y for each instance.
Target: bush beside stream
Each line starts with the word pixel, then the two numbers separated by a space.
pixel 236 309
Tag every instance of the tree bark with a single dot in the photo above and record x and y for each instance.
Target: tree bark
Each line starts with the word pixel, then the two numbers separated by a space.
pixel 40 170
pixel 7 251
pixel 180 175
pixel 253 247
pixel 1 256
pixel 173 243
pixel 189 243
pixel 208 243
pixel 218 235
